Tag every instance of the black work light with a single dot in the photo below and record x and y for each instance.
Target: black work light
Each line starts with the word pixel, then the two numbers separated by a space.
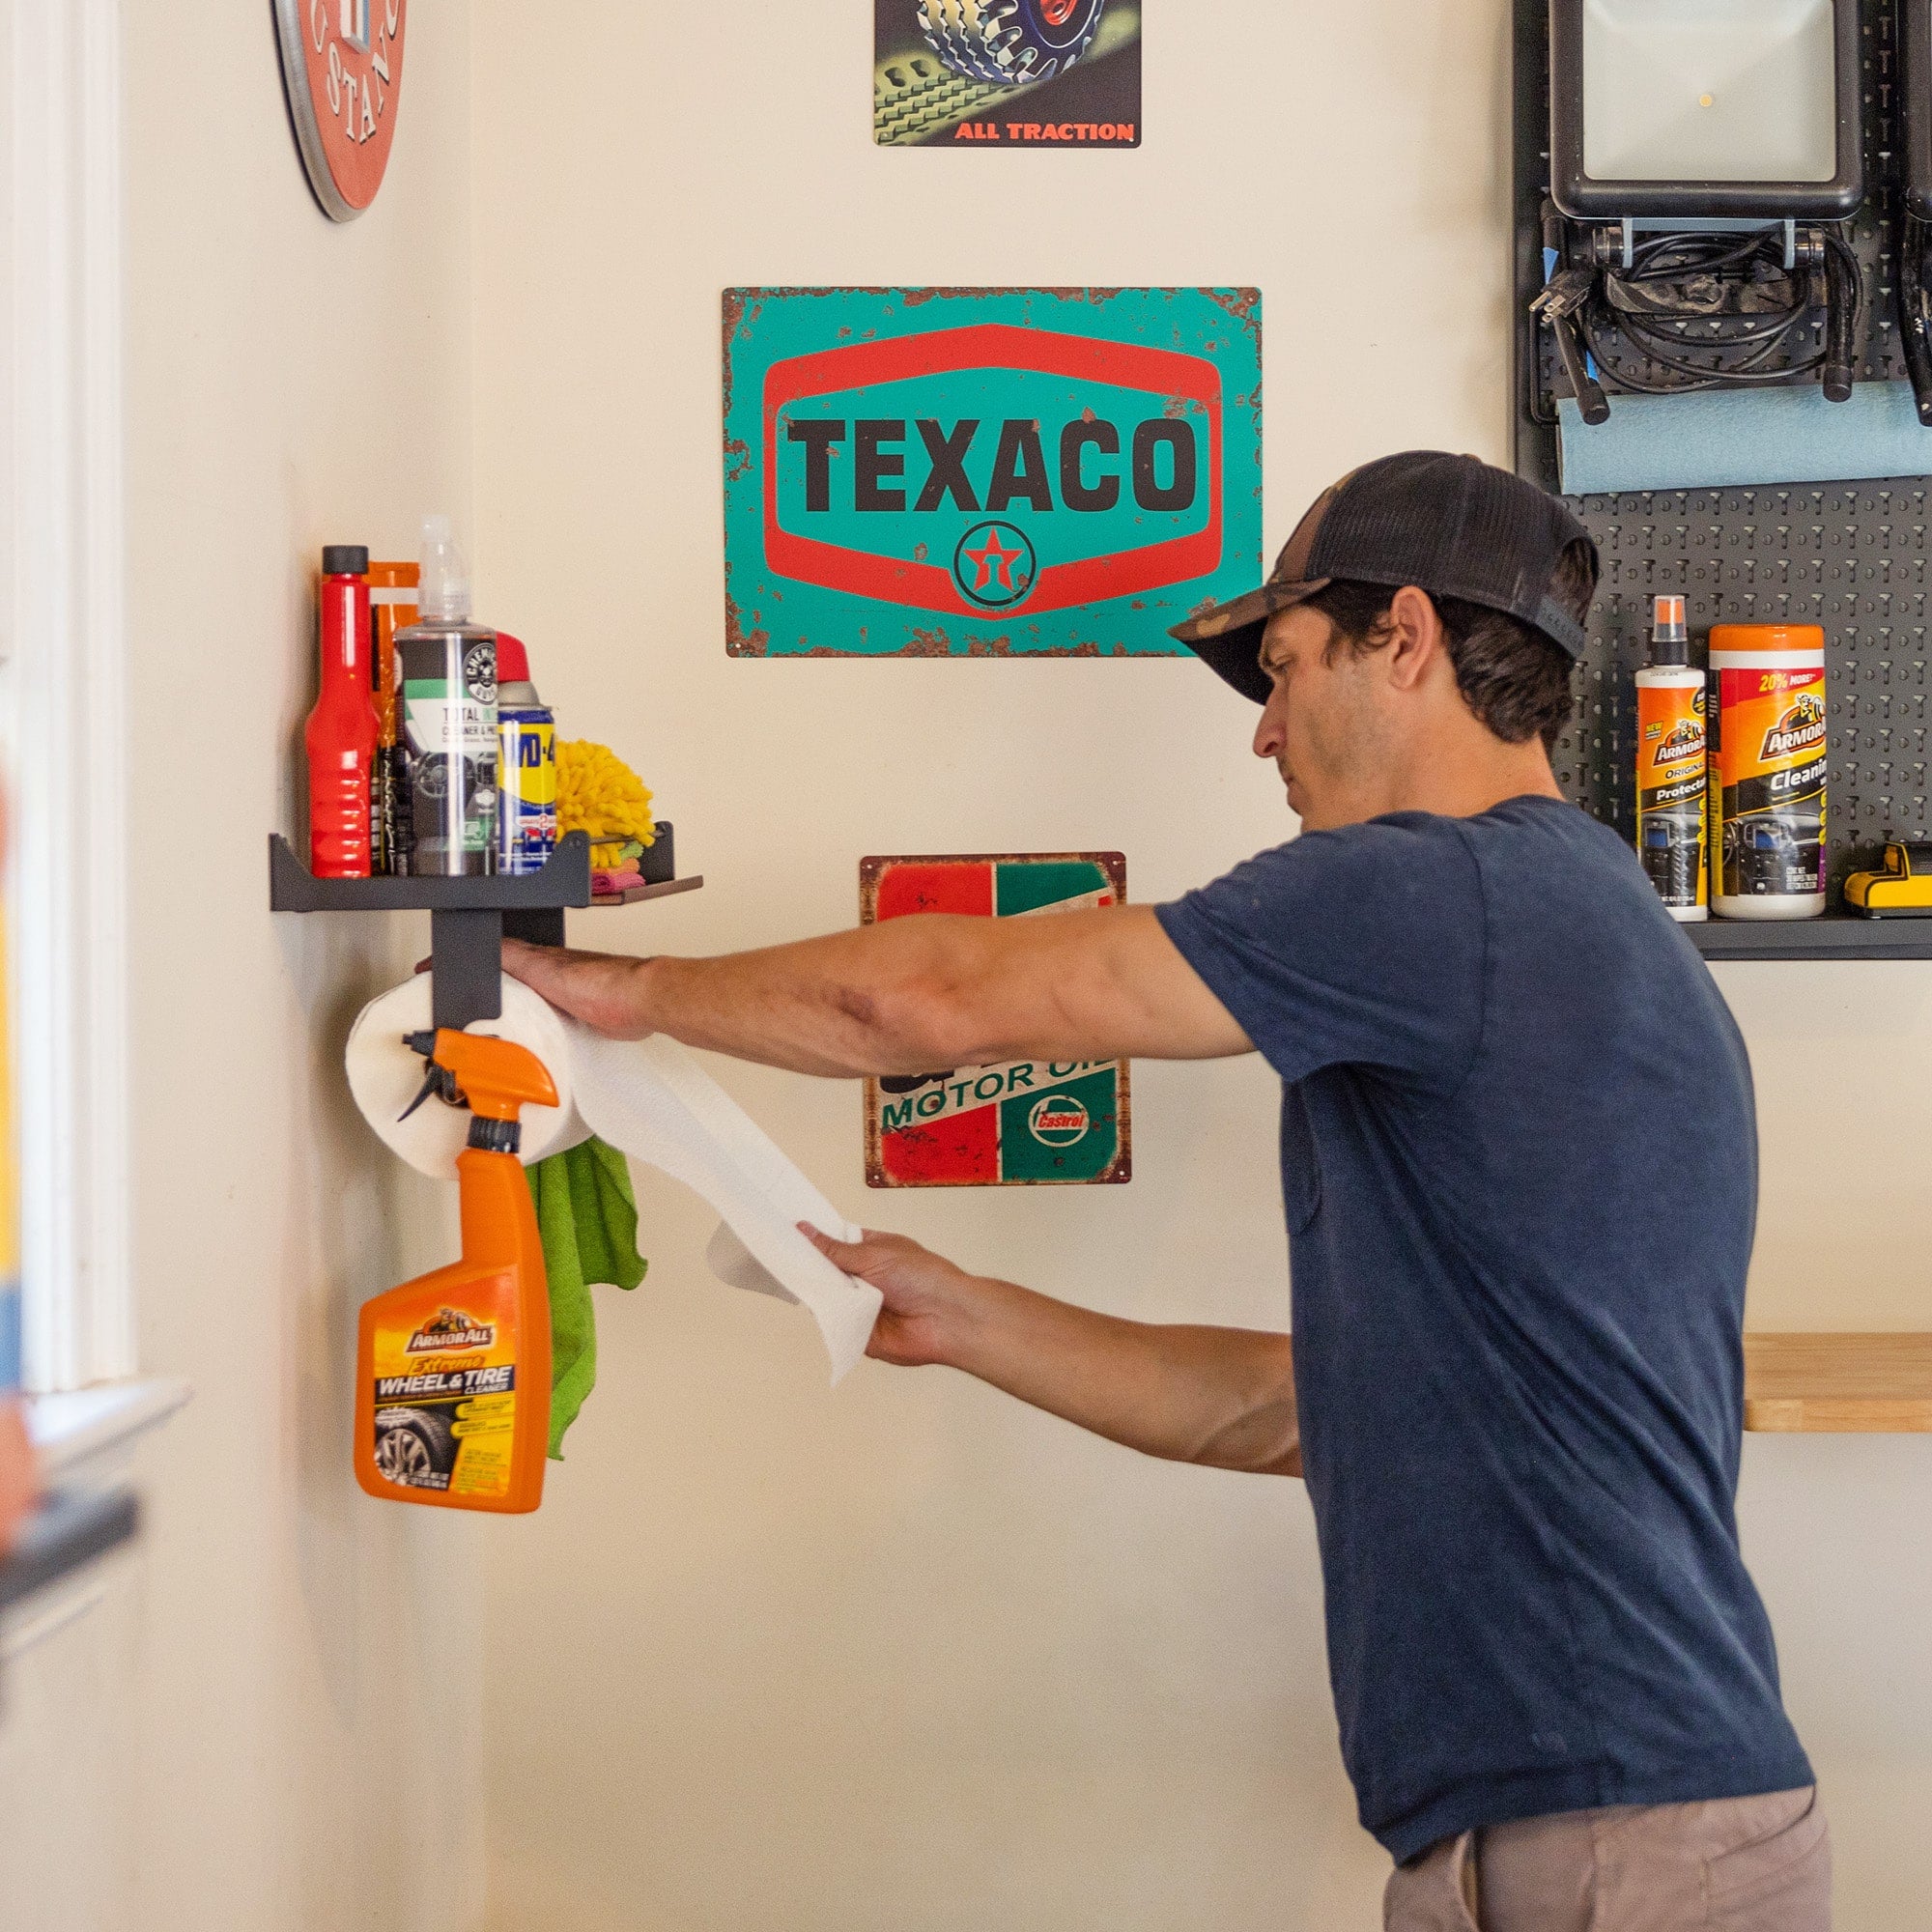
pixel 1704 155
pixel 1705 109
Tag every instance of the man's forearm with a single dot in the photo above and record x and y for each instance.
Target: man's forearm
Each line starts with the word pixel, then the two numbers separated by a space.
pixel 909 995
pixel 1223 1396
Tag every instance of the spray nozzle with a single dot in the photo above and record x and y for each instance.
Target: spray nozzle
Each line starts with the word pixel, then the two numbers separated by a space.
pixel 492 1077
pixel 1669 640
pixel 444 590
pixel 436 1080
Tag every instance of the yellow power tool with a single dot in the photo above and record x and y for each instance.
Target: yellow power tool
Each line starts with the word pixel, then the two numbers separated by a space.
pixel 1902 889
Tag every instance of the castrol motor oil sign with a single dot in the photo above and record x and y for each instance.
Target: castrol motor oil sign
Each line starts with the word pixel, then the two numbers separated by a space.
pixel 968 472
pixel 1022 1120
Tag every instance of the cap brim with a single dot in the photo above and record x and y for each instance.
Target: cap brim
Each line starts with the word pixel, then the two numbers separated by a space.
pixel 1227 638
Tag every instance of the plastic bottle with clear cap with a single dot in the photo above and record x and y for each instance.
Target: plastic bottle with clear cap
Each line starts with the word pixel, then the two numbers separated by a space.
pixel 448 666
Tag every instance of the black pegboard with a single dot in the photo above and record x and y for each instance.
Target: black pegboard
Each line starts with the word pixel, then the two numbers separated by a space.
pixel 1849 556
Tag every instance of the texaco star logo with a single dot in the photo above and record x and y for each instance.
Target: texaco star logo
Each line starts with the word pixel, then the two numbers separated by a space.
pixel 342 66
pixel 994 565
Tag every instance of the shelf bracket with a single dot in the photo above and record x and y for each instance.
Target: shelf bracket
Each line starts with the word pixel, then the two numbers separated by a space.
pixel 466 962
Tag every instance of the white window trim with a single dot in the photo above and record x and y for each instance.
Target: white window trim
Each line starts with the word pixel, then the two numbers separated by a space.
pixel 64 599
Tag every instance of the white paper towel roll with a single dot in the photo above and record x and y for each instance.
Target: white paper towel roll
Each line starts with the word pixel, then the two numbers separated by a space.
pixel 653 1101
pixel 384 1076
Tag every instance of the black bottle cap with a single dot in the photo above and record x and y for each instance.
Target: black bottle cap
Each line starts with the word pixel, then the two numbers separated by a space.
pixel 496 1136
pixel 345 560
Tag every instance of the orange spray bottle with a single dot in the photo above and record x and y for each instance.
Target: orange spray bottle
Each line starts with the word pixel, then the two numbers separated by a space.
pixel 452 1370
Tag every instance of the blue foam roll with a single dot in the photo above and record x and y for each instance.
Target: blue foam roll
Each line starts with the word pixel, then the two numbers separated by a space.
pixel 1724 438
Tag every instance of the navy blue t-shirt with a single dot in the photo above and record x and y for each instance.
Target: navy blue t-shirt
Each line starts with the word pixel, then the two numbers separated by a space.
pixel 1519 1162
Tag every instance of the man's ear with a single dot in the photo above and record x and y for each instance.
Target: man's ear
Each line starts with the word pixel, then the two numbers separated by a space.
pixel 1416 642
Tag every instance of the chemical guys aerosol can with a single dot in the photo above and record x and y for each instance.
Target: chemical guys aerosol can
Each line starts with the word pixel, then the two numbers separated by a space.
pixel 453 1369
pixel 1769 763
pixel 1671 779
pixel 449 718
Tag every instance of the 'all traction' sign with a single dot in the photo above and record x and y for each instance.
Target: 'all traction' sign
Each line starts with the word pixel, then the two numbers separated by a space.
pixel 1022 1122
pixel 936 472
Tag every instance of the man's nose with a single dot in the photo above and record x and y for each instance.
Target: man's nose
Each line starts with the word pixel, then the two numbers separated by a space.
pixel 1268 732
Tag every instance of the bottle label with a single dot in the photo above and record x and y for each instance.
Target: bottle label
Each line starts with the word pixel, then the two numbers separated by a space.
pixel 446 1402
pixel 526 765
pixel 1772 745
pixel 1672 781
pixel 449 726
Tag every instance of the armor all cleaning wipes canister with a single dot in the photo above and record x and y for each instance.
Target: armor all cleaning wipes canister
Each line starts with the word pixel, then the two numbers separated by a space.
pixel 1768 758
pixel 1671 779
pixel 450 718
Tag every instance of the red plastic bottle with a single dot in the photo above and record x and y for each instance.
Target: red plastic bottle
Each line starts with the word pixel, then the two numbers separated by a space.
pixel 342 730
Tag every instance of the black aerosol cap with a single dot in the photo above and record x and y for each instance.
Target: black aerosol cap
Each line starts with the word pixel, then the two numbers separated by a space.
pixel 345 560
pixel 1452 526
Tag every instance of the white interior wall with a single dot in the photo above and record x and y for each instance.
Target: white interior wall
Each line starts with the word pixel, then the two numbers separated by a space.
pixel 266 1728
pixel 908 1657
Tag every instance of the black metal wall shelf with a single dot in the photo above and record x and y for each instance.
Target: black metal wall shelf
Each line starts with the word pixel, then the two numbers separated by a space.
pixel 1835 936
pixel 470 918
pixel 1851 557
pixel 564 882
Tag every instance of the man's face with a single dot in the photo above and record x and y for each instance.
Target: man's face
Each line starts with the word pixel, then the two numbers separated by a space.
pixel 1323 724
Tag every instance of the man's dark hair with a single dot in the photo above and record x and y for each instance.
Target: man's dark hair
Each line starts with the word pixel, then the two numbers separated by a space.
pixel 1515 679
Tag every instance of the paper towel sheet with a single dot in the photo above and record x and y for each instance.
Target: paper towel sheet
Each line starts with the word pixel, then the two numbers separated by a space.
pixel 652 1100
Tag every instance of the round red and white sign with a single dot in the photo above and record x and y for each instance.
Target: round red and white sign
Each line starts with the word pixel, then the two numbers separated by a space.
pixel 342 65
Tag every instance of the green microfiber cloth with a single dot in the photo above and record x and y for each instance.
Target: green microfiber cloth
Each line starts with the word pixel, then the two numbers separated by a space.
pixel 587 1216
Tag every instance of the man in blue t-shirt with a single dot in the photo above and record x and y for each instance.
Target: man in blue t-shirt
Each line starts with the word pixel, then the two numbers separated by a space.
pixel 1518 1163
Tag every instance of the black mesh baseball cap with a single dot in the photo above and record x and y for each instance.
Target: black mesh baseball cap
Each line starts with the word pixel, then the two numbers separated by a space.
pixel 1452 526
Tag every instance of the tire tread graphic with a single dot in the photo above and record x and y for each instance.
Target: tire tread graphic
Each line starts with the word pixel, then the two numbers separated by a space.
pixel 1009 43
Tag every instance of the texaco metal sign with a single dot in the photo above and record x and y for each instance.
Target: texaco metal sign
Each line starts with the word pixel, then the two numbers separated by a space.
pixel 342 65
pixel 976 472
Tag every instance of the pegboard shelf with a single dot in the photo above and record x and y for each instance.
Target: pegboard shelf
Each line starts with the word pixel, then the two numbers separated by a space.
pixel 1842 1383
pixel 1835 936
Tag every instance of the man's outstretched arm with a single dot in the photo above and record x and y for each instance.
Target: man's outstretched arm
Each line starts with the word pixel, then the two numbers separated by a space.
pixel 911 995
pixel 1222 1397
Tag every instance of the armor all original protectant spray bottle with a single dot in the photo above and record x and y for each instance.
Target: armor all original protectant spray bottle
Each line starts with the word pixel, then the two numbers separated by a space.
pixel 449 718
pixel 1671 776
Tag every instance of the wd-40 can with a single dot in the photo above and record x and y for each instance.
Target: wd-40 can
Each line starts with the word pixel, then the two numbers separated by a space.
pixel 526 762
pixel 449 729
pixel 1671 778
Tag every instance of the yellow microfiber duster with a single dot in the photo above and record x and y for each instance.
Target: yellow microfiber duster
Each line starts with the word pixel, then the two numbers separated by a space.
pixel 597 793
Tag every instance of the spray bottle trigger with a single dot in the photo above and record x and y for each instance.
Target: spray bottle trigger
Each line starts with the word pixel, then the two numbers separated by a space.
pixel 438 1080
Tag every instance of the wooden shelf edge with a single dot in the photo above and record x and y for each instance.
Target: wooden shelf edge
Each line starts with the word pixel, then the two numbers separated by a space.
pixel 639 893
pixel 1838 1383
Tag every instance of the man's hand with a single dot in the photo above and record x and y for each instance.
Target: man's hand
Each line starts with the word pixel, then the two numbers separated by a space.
pixel 911 994
pixel 927 1299
pixel 1224 1397
pixel 19 1483
pixel 602 990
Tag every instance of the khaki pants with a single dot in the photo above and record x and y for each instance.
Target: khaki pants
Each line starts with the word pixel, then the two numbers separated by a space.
pixel 1731 1864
